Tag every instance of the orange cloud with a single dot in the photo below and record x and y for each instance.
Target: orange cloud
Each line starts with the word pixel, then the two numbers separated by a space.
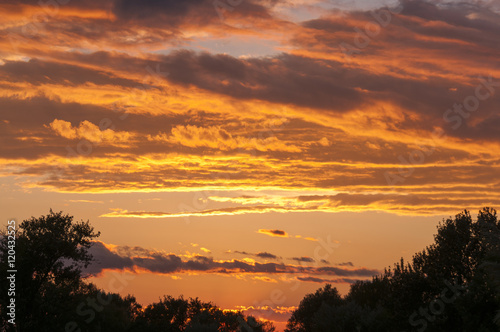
pixel 89 131
pixel 217 138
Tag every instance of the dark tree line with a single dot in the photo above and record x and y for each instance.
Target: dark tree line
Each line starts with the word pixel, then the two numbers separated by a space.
pixel 452 285
pixel 53 295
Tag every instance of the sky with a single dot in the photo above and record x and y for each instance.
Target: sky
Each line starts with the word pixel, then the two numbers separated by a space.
pixel 247 152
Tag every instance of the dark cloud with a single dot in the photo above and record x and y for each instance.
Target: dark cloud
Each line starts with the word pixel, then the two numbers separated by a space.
pixel 39 72
pixel 103 258
pixel 330 281
pixel 264 254
pixel 284 79
pixel 144 10
pixel 345 264
pixel 303 259
pixel 343 272
pixel 82 4
pixel 332 86
pixel 174 14
pixel 460 21
pixel 127 258
pixel 273 232
pixel 277 232
pixel 326 85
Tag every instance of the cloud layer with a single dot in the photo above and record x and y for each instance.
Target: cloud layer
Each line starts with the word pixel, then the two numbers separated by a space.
pixel 391 109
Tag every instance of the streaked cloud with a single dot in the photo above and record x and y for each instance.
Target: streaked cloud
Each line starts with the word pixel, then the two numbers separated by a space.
pixel 119 213
pixel 85 201
pixel 424 201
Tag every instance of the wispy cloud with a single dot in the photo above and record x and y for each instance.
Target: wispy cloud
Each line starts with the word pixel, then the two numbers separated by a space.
pixel 84 201
pixel 119 213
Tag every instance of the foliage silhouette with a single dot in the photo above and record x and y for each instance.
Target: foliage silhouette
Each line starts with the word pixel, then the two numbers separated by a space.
pixel 53 295
pixel 51 252
pixel 452 285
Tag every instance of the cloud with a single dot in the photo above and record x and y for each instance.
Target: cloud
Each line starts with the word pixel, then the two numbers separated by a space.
pixel 264 254
pixel 175 14
pixel 89 131
pixel 273 79
pixel 105 258
pixel 120 213
pixel 265 279
pixel 141 259
pixel 329 281
pixel 324 141
pixel 84 201
pixel 39 72
pixel 424 201
pixel 346 264
pixel 303 259
pixel 310 239
pixel 354 119
pixel 273 232
pixel 217 138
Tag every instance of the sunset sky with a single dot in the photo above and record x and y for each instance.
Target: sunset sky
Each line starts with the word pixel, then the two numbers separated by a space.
pixel 246 152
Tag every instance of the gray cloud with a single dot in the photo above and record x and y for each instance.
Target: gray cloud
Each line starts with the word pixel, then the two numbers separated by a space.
pixel 330 281
pixel 303 259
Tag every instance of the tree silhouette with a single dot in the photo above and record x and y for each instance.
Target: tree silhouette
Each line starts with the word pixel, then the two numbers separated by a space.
pixel 51 252
pixel 302 319
pixel 452 285
pixel 53 295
